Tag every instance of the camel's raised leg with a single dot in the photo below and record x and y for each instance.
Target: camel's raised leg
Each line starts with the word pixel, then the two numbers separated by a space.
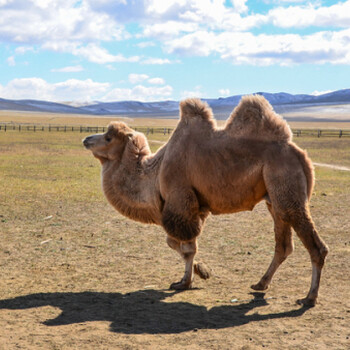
pixel 283 248
pixel 188 251
pixel 183 221
pixel 318 250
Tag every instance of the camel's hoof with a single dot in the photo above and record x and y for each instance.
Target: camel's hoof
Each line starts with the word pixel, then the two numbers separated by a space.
pixel 307 302
pixel 180 286
pixel 258 286
pixel 202 271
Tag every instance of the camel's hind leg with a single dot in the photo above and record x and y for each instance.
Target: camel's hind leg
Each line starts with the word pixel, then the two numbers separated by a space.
pixel 283 248
pixel 188 251
pixel 318 250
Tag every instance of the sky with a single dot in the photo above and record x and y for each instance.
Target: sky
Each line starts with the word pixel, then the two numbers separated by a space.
pixel 154 50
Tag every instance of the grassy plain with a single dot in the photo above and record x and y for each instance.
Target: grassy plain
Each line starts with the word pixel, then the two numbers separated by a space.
pixel 77 275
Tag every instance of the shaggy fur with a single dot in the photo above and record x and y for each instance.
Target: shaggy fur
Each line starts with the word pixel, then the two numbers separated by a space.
pixel 203 169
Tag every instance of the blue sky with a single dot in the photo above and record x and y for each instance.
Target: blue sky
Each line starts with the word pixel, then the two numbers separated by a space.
pixel 150 50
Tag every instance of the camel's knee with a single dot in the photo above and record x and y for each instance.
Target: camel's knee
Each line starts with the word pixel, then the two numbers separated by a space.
pixel 283 251
pixel 188 249
pixel 319 253
pixel 287 250
pixel 308 234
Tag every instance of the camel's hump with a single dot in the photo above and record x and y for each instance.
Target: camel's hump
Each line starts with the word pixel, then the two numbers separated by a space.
pixel 194 107
pixel 255 117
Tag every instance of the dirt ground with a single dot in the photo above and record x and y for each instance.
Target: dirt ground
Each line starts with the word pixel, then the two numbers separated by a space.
pixel 77 275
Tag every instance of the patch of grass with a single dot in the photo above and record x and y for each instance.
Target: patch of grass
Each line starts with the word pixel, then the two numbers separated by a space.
pixel 326 150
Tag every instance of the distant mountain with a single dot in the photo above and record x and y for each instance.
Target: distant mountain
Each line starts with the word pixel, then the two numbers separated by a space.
pixel 222 106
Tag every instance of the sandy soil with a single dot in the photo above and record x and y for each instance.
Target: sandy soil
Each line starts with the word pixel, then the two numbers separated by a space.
pixel 108 288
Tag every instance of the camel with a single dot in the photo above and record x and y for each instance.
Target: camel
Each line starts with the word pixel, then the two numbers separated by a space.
pixel 204 169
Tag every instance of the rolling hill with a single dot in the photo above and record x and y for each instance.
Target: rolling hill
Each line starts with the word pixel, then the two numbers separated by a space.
pixel 282 102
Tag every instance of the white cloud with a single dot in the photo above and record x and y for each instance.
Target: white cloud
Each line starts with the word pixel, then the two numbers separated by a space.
pixel 168 29
pixel 156 81
pixel 140 93
pixel 92 52
pixel 46 21
pixel 21 50
pixel 201 43
pixel 183 27
pixel 145 44
pixel 337 15
pixel 240 5
pixel 39 89
pixel 97 54
pixel 68 69
pixel 11 61
pixel 163 7
pixel 192 93
pixel 160 61
pixel 286 49
pixel 224 92
pixel 137 78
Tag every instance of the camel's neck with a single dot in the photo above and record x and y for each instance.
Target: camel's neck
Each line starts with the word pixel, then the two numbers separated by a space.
pixel 131 185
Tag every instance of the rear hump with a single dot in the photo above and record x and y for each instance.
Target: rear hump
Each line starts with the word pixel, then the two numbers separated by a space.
pixel 255 118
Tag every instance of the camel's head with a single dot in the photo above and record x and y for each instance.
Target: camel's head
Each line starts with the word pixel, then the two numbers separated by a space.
pixel 111 144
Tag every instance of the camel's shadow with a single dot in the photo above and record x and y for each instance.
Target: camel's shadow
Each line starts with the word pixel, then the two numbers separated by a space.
pixel 144 311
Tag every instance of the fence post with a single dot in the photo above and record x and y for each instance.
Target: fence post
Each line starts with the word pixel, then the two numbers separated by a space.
pixel 34 128
pixel 340 133
pixel 318 133
pixel 5 127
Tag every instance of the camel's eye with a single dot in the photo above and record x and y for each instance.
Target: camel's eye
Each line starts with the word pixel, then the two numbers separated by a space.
pixel 108 139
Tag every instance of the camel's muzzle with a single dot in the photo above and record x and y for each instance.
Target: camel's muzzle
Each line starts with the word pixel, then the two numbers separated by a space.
pixel 88 142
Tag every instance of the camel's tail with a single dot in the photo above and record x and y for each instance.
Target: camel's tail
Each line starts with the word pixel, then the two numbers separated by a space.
pixel 307 167
pixel 194 107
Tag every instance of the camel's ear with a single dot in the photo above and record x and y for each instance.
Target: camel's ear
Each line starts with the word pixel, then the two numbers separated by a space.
pixel 130 135
pixel 119 130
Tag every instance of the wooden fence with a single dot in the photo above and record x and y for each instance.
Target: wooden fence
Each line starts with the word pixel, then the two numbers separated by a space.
pixel 5 127
pixel 65 128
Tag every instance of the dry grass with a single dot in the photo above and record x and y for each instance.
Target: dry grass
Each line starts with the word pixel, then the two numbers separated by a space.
pixel 77 275
pixel 83 120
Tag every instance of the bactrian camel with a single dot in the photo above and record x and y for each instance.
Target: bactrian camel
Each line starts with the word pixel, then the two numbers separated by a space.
pixel 204 169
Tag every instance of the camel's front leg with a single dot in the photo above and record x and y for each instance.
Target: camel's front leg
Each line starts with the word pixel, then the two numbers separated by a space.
pixel 187 250
pixel 183 221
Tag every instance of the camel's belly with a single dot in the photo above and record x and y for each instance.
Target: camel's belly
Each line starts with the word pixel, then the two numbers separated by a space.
pixel 231 197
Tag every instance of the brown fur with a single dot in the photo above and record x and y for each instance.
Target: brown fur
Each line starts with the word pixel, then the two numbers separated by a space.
pixel 203 169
